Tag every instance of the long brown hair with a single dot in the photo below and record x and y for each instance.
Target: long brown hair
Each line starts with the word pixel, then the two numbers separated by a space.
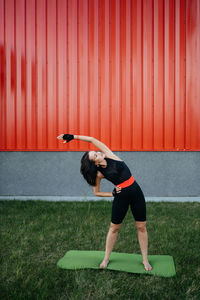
pixel 88 169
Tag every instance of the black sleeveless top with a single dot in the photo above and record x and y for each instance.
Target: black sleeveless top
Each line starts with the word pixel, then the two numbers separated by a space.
pixel 116 171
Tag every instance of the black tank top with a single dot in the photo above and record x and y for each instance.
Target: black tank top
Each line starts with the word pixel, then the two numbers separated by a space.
pixel 116 171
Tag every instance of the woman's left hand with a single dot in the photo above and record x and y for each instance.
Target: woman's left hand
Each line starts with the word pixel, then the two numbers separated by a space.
pixel 116 190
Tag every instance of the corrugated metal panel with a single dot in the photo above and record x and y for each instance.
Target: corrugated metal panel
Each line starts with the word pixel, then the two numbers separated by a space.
pixel 125 72
pixel 192 74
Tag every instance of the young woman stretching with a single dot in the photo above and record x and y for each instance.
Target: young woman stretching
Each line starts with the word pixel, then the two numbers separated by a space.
pixel 105 164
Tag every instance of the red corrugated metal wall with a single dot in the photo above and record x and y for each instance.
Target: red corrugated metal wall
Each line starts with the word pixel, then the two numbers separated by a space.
pixel 126 72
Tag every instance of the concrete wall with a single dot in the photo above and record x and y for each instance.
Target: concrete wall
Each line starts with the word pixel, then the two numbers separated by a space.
pixel 160 174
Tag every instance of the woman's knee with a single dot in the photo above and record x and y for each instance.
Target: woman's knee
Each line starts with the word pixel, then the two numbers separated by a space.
pixel 114 228
pixel 141 226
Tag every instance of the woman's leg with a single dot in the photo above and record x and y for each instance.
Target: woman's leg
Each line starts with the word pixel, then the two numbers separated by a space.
pixel 110 242
pixel 138 208
pixel 143 241
pixel 119 209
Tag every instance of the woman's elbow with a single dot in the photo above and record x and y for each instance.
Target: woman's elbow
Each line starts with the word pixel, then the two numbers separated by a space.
pixel 97 194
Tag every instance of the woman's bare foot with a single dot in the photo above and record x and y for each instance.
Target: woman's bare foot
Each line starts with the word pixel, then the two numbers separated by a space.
pixel 104 264
pixel 147 266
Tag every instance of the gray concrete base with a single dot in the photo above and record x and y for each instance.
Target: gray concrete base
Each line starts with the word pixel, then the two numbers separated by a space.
pixel 160 174
pixel 70 199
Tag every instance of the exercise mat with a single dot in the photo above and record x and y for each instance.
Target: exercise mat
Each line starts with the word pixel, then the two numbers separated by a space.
pixel 162 265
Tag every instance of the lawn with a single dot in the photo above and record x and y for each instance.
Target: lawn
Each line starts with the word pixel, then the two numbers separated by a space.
pixel 36 234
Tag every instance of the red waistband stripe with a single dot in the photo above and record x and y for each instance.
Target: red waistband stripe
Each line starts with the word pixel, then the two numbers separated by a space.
pixel 126 183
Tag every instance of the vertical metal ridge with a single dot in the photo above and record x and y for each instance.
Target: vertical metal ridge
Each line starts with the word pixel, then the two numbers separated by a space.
pixel 6 79
pixel 36 77
pixel 142 75
pixel 99 68
pixel 185 75
pixel 187 115
pixel 131 62
pixel 15 78
pixel 153 75
pixel 158 75
pixel 67 48
pixel 120 66
pixel 5 106
pixel 88 66
pixel 198 67
pixel 110 100
pixel 25 71
pixel 3 85
pixel 99 88
pixel 47 138
pixel 78 76
pixel 128 135
pixel 164 76
pixel 57 112
pixel 174 66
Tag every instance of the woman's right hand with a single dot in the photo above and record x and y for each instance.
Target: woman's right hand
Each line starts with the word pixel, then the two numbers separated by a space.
pixel 66 137
pixel 60 137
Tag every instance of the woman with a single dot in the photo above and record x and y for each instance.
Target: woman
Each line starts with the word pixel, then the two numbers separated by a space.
pixel 105 164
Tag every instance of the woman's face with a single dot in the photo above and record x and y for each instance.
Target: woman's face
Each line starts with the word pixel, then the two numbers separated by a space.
pixel 97 157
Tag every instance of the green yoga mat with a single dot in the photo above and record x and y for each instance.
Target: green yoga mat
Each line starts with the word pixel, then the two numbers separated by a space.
pixel 162 265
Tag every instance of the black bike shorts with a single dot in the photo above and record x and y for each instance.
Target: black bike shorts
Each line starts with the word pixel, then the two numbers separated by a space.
pixel 133 196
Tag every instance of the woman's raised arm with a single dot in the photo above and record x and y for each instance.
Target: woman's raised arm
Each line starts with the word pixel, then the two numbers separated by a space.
pixel 94 141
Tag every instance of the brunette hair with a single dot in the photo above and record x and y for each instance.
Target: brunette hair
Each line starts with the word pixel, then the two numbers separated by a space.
pixel 88 169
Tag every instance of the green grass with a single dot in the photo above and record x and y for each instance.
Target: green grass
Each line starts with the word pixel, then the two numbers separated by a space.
pixel 35 235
